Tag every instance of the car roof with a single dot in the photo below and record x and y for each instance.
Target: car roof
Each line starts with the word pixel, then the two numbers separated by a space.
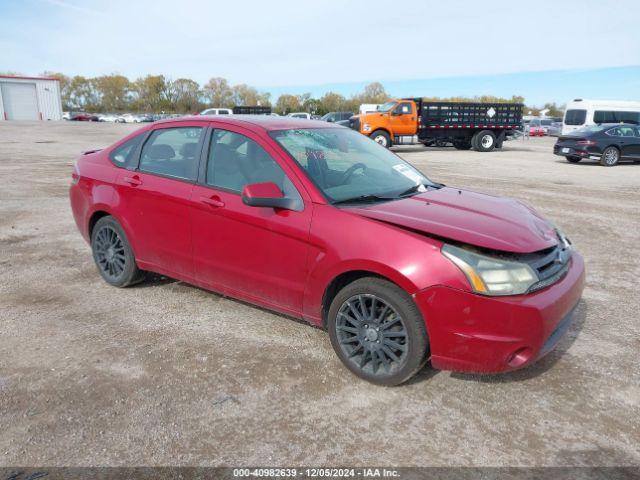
pixel 267 122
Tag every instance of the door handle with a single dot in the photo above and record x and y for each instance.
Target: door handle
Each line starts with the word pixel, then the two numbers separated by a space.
pixel 212 201
pixel 134 181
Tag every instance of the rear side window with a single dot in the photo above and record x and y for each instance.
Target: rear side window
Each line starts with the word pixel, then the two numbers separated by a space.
pixel 172 152
pixel 575 117
pixel 610 116
pixel 123 156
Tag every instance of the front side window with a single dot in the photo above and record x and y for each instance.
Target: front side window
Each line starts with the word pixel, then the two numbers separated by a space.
pixel 346 165
pixel 403 109
pixel 575 117
pixel 235 161
pixel 122 156
pixel 172 152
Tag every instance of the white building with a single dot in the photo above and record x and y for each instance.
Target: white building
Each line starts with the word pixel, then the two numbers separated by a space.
pixel 30 98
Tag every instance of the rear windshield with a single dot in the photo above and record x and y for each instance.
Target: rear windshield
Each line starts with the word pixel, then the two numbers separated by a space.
pixel 575 117
pixel 587 130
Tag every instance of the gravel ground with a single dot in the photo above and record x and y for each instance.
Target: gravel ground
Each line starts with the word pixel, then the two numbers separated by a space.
pixel 168 374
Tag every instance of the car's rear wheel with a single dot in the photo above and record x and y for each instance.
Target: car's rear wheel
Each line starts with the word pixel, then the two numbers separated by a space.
pixel 377 331
pixel 381 137
pixel 573 158
pixel 485 141
pixel 610 157
pixel 113 255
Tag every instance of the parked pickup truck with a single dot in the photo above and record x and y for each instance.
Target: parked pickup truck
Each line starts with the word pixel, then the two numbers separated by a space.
pixel 482 126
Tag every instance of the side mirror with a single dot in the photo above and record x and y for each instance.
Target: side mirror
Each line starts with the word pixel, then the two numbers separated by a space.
pixel 266 194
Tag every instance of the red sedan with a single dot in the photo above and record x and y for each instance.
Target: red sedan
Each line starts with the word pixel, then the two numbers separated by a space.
pixel 321 223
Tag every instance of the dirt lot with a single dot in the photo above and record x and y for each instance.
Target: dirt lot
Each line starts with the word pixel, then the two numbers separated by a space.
pixel 165 373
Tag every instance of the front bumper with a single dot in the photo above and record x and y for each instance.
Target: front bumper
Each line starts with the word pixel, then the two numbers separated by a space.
pixel 475 333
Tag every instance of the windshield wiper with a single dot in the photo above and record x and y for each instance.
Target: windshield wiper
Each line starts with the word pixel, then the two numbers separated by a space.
pixel 363 199
pixel 417 189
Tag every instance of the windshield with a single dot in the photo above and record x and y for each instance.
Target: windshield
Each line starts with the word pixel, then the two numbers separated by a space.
pixel 385 107
pixel 346 165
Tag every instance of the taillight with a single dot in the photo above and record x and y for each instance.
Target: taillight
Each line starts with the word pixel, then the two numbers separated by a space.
pixel 75 176
pixel 586 142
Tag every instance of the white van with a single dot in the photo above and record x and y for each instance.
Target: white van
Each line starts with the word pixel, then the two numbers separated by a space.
pixel 582 113
pixel 217 111
pixel 368 108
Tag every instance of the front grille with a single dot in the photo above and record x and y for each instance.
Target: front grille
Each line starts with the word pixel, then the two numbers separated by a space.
pixel 354 123
pixel 550 265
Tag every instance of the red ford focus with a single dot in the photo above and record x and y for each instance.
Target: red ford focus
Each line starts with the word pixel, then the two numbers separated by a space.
pixel 321 223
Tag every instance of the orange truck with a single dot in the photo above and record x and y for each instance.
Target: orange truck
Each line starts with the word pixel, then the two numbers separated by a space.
pixel 481 126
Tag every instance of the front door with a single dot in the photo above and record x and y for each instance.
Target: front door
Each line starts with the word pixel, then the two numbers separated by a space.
pixel 403 119
pixel 256 253
pixel 157 196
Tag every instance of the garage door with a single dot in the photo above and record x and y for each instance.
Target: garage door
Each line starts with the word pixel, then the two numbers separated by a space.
pixel 20 101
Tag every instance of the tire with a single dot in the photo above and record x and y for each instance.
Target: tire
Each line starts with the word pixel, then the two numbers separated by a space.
pixel 381 137
pixel 573 159
pixel 462 144
pixel 485 141
pixel 113 255
pixel 387 348
pixel 610 157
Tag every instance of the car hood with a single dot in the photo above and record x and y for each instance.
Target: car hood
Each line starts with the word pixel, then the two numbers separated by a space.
pixel 496 223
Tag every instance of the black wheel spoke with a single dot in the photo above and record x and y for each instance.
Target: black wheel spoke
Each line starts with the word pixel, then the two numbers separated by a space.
pixel 371 334
pixel 110 252
pixel 394 345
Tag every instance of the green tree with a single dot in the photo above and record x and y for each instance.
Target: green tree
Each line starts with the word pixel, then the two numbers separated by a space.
pixel 83 94
pixel 186 95
pixel 331 102
pixel 152 93
pixel 287 103
pixel 218 93
pixel 114 91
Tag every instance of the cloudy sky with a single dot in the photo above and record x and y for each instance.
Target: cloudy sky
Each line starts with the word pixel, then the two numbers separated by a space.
pixel 297 45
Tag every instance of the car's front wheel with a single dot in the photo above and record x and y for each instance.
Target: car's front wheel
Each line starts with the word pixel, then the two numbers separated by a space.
pixel 377 331
pixel 381 137
pixel 113 255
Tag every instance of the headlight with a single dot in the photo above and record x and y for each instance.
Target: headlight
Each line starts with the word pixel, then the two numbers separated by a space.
pixel 491 276
pixel 366 127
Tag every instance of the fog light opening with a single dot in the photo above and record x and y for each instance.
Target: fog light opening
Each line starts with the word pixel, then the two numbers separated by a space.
pixel 519 357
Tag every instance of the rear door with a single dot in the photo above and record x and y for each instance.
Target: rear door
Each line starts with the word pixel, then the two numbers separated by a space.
pixel 256 253
pixel 403 119
pixel 630 142
pixel 157 193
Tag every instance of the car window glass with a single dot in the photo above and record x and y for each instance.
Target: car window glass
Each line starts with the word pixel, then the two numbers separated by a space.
pixel 235 161
pixel 345 164
pixel 172 152
pixel 122 156
pixel 614 132
pixel 627 132
pixel 575 117
pixel 403 108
